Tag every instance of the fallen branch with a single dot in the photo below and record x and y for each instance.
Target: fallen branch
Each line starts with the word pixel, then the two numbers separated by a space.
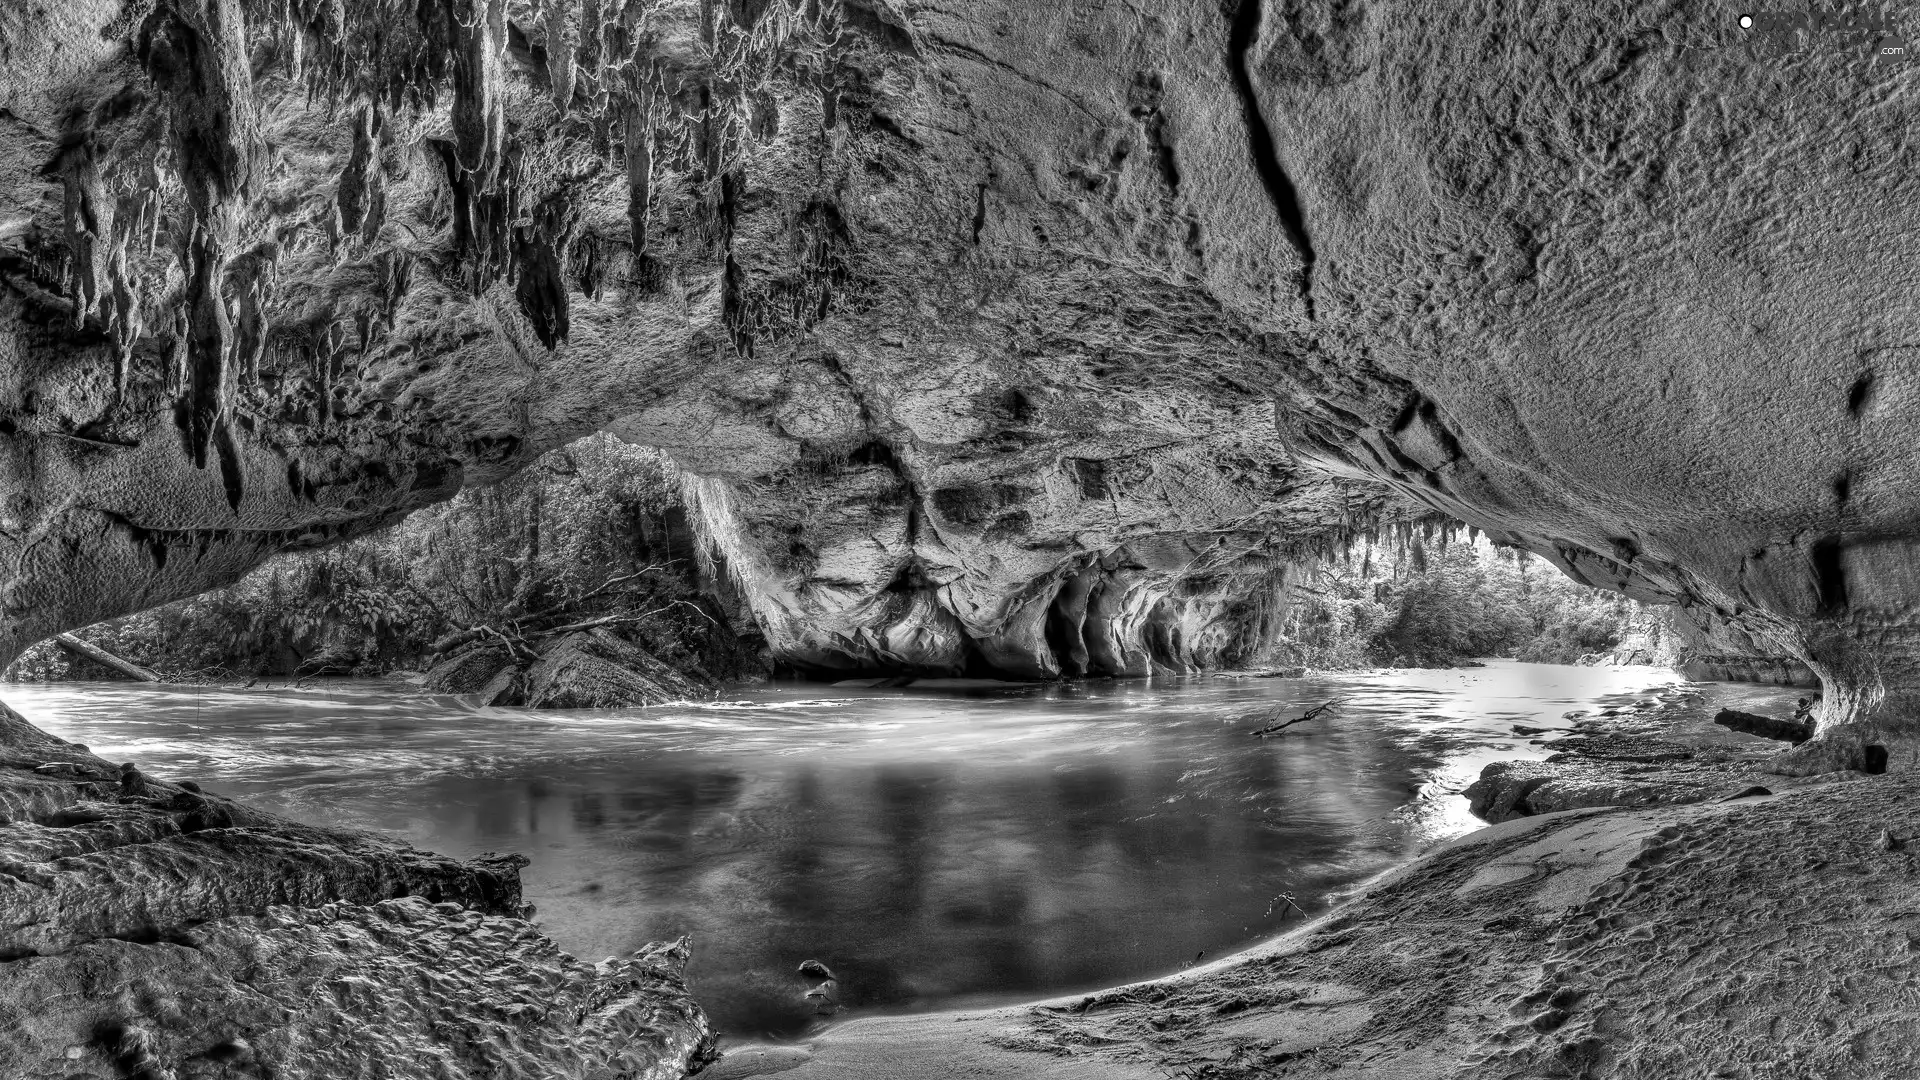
pixel 1767 727
pixel 577 601
pixel 516 648
pixel 104 658
pixel 451 641
pixel 588 624
pixel 1311 714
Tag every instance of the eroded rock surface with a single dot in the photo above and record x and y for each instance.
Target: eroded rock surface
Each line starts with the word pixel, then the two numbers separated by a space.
pixel 400 988
pixel 149 929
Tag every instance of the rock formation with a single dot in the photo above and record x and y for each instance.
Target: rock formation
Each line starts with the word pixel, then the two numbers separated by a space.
pixel 1009 335
pixel 964 319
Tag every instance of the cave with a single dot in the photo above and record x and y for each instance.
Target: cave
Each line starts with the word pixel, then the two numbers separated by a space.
pixel 584 419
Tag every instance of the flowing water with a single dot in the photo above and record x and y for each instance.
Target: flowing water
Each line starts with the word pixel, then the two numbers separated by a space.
pixel 933 845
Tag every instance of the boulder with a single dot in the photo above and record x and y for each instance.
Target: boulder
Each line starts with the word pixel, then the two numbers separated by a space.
pixel 594 669
pixel 585 669
pixel 472 670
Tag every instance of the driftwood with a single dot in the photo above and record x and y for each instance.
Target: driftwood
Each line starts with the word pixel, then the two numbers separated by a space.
pixel 104 658
pixel 1766 727
pixel 1314 713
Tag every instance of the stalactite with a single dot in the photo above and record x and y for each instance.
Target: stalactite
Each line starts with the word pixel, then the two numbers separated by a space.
pixel 325 350
pixel 483 217
pixel 195 52
pixel 128 325
pixel 479 123
pixel 639 149
pixel 362 196
pixel 590 256
pixel 88 217
pixel 561 43
pixel 250 283
pixel 541 259
pixel 396 277
pixel 209 341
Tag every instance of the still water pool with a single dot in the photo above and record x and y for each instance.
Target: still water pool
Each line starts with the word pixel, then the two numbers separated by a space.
pixel 933 846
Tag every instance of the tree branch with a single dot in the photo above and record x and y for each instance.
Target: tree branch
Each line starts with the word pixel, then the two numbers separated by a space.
pixel 1311 714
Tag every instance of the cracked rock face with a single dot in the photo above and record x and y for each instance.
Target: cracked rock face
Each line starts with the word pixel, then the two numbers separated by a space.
pixel 184 935
pixel 1033 338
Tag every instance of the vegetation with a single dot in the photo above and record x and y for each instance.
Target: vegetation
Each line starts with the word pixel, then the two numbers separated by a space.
pixel 1416 607
pixel 593 532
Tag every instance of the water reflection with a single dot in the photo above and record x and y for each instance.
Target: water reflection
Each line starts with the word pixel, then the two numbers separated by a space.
pixel 929 848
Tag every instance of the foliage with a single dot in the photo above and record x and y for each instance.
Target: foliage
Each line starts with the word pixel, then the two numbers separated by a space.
pixel 593 529
pixel 1424 608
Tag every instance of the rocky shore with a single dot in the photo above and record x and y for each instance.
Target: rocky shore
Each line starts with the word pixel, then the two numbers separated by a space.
pixel 148 929
pixel 1644 754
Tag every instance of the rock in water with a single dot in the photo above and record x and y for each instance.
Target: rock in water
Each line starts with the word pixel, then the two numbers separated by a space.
pixel 593 669
pixel 469 671
pixel 587 669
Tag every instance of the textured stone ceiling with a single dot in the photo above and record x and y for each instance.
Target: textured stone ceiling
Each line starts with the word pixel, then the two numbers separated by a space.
pixel 1032 335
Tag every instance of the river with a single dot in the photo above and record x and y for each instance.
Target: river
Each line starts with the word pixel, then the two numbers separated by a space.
pixel 935 846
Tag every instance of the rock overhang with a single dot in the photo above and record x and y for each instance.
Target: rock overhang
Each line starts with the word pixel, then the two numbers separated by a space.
pixel 949 309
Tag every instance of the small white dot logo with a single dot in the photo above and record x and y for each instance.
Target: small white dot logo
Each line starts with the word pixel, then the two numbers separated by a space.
pixel 1746 22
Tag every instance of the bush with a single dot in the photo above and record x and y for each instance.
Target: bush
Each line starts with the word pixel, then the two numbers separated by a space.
pixel 596 526
pixel 1421 608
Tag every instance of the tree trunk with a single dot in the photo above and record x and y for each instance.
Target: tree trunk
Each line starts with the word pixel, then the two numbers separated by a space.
pixel 101 656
